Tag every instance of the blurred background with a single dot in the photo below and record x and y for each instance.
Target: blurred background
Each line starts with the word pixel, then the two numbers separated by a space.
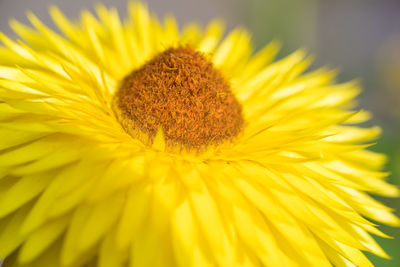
pixel 360 37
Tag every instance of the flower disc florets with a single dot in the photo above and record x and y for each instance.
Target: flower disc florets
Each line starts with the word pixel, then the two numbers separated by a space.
pixel 182 93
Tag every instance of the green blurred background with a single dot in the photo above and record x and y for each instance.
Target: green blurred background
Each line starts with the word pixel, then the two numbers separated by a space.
pixel 360 37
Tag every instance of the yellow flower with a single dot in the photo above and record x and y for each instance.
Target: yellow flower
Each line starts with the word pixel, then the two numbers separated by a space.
pixel 122 145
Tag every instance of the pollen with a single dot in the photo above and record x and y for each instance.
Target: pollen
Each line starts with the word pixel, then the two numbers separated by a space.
pixel 182 93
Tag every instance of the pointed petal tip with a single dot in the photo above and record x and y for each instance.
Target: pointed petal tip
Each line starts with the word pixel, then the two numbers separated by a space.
pixel 159 140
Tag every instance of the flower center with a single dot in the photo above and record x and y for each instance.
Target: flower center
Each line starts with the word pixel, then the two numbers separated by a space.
pixel 181 92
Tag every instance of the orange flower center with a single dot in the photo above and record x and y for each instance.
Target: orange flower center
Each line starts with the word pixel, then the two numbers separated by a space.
pixel 180 91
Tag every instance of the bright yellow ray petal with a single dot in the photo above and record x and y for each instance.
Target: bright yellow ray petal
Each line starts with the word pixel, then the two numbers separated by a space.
pixel 10 235
pixel 110 255
pixel 212 36
pixel 42 239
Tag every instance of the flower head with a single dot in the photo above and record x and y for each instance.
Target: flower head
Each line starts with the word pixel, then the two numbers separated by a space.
pixel 135 143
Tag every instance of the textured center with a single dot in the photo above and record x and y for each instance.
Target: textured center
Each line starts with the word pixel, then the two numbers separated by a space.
pixel 181 92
